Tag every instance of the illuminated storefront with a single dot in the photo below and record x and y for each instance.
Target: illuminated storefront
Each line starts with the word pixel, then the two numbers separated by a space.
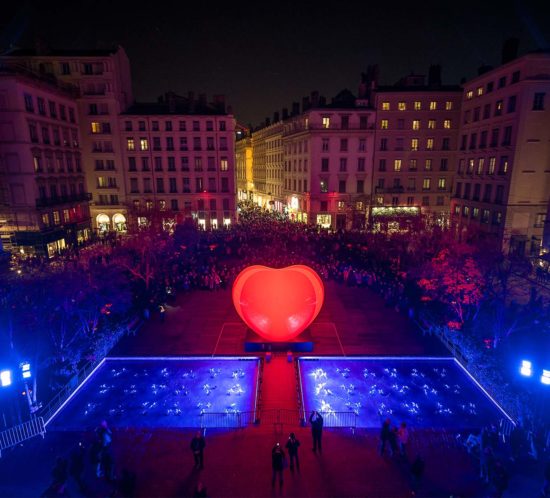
pixel 394 218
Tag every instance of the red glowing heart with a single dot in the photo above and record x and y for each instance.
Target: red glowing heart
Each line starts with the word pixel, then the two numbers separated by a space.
pixel 278 304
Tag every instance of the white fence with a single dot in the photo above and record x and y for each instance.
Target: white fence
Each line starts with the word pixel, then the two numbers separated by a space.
pixel 22 432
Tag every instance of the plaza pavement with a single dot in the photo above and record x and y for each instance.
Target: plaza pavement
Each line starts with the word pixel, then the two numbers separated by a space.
pixel 237 463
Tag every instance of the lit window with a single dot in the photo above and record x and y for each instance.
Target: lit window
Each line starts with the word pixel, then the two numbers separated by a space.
pixel 46 219
pixel 384 124
pixel 143 144
pixel 469 94
pixel 431 124
pixel 480 165
pixel 417 105
pixel 428 165
pixel 441 183
pixel 326 122
pixel 479 91
pixel 448 105
pixel 385 106
pixel 447 124
pixel 224 164
pixel 433 105
pixel 429 144
pixel 426 183
pixel 130 144
pixel 397 165
pixel 56 217
pixel 492 163
pixel 414 144
pixel 416 124
pixel 96 127
pixel 402 106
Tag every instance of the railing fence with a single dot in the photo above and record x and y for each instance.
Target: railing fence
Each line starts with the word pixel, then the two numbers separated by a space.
pixel 19 433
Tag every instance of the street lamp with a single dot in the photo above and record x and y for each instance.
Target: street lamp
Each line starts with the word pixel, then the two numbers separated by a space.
pixel 5 378
pixel 526 368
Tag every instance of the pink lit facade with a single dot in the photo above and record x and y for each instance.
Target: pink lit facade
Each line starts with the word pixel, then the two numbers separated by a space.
pixel 105 90
pixel 44 204
pixel 414 156
pixel 502 181
pixel 179 162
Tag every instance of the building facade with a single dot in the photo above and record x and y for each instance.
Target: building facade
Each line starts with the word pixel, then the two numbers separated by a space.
pixel 44 203
pixel 414 159
pixel 105 90
pixel 502 185
pixel 243 167
pixel 179 159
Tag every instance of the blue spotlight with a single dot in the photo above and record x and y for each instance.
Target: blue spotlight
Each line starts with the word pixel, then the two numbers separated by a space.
pixel 526 368
pixel 545 377
pixel 5 378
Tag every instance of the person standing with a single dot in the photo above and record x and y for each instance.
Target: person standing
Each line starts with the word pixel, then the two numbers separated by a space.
pixel 277 464
pixel 385 436
pixel 316 422
pixel 292 447
pixel 417 471
pixel 198 444
pixel 403 438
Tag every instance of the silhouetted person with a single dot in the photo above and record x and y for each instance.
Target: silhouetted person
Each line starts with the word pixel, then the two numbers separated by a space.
pixel 403 438
pixel 417 471
pixel 292 446
pixel 499 478
pixel 385 436
pixel 277 464
pixel 76 465
pixel 197 447
pixel 316 422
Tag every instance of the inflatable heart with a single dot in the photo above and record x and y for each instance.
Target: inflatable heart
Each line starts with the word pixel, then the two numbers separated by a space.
pixel 278 304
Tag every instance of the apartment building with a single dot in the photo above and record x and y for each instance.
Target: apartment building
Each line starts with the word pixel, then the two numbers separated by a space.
pixel 416 139
pixel 44 204
pixel 179 159
pixel 105 90
pixel 268 166
pixel 502 181
pixel 243 165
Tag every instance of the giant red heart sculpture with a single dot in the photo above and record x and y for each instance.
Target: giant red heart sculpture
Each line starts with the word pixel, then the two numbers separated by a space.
pixel 278 304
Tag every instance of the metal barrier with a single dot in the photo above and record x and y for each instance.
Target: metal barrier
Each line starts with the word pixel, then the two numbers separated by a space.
pixel 282 417
pixel 339 419
pixel 224 420
pixel 22 432
pixel 505 428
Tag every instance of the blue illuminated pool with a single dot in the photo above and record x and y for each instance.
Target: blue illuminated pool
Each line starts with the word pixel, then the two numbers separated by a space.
pixel 160 392
pixel 423 392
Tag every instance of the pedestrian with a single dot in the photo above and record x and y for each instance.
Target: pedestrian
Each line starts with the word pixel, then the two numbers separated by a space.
pixel 385 436
pixel 103 456
pixel 403 438
pixel 292 446
pixel 76 465
pixel 162 311
pixel 277 464
pixel 197 447
pixel 486 462
pixel 417 471
pixel 394 437
pixel 316 422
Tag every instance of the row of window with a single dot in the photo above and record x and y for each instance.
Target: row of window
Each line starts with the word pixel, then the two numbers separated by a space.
pixel 490 86
pixel 187 205
pixel 414 164
pixel 429 144
pixel 143 143
pixel 475 193
pixel 341 205
pixel 418 105
pixel 483 166
pixel 53 109
pixel 54 218
pixel 65 190
pixel 53 135
pixel 182 125
pixel 200 185
pixel 472 142
pixel 475 114
pixel 184 164
pixel 411 201
pixel 58 162
pixel 342 165
pixel 482 215
pixel 416 124
pixel 397 186
pixel 344 145
pixel 342 186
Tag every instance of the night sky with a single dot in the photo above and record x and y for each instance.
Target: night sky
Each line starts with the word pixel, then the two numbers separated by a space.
pixel 264 55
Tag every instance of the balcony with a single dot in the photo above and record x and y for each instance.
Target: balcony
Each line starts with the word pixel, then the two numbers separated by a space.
pixel 390 190
pixel 65 199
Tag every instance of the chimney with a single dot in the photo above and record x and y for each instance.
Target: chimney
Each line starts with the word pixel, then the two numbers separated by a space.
pixel 285 113
pixel 305 104
pixel 315 98
pixel 510 50
pixel 171 101
pixel 267 121
pixel 276 117
pixel 295 109
pixel 219 102
pixel 434 76
pixel 322 101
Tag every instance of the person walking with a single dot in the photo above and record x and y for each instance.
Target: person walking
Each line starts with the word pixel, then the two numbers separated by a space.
pixel 277 464
pixel 403 438
pixel 316 422
pixel 385 436
pixel 292 446
pixel 198 444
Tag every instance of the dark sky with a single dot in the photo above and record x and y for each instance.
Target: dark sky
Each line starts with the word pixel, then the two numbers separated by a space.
pixel 263 55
